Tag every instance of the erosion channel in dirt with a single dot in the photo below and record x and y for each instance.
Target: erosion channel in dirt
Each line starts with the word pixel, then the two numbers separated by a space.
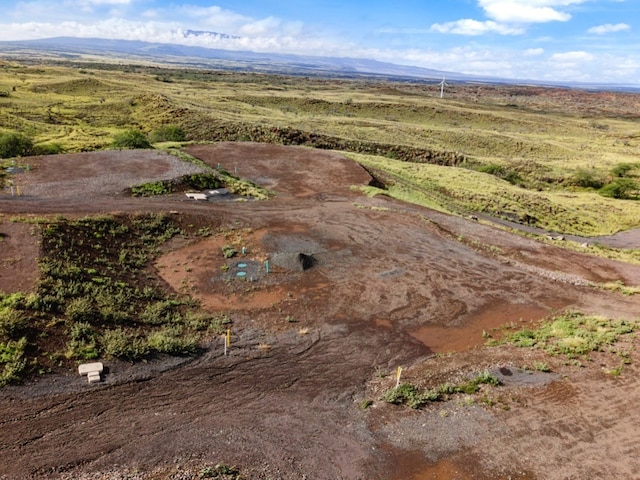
pixel 389 285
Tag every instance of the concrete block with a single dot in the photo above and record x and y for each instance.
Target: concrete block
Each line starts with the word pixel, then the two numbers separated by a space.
pixel 93 377
pixel 197 196
pixel 87 368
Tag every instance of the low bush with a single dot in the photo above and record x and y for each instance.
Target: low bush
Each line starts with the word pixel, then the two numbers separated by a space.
pixel 621 188
pixel 12 322
pixel 228 251
pixel 171 339
pixel 150 189
pixel 83 342
pixel 12 363
pixel 121 344
pixel 585 179
pixel 623 169
pixel 15 145
pixel 48 149
pixel 131 139
pixel 167 133
pixel 81 310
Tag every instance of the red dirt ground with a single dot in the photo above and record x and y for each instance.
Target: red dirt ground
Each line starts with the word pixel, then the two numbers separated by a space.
pixel 393 285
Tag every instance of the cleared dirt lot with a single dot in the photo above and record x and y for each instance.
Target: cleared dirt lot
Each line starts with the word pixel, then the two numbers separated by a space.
pixel 392 285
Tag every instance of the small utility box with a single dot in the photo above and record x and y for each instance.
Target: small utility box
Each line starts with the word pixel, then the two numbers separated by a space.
pixel 93 371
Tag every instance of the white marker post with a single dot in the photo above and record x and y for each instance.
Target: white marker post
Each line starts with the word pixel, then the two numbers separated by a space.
pixel 398 374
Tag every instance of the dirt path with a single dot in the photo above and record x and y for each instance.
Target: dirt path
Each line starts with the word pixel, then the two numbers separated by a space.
pixel 392 284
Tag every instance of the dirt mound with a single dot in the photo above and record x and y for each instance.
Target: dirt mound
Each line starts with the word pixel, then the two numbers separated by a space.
pixel 296 262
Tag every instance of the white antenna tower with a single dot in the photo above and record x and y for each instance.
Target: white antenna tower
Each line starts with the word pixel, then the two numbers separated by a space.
pixel 442 84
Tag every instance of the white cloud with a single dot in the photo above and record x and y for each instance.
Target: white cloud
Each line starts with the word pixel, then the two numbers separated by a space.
pixel 609 28
pixel 508 17
pixel 577 65
pixel 216 18
pixel 533 52
pixel 474 27
pixel 103 2
pixel 527 11
pixel 577 56
pixel 261 27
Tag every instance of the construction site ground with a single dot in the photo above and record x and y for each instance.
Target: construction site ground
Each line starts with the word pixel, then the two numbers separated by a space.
pixel 300 392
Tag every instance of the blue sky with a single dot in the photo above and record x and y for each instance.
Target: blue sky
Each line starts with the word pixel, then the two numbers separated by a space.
pixel 577 40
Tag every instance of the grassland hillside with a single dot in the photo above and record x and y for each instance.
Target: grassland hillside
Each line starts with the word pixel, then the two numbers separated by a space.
pixel 563 160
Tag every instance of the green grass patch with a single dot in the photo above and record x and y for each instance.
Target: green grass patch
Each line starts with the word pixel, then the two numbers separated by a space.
pixel 408 394
pixel 572 334
pixel 462 190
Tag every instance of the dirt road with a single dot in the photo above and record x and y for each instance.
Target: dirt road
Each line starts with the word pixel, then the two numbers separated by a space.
pixel 391 285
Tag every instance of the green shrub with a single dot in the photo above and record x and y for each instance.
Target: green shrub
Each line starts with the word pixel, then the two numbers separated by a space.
pixel 623 169
pixel 499 171
pixel 12 322
pixel 402 394
pixel 12 363
pixel 585 179
pixel 158 313
pixel 131 139
pixel 83 342
pixel 486 378
pixel 118 343
pixel 172 340
pixel 620 188
pixel 151 189
pixel 202 181
pixel 228 251
pixel 14 300
pixel 48 149
pixel 167 133
pixel 81 310
pixel 493 169
pixel 15 145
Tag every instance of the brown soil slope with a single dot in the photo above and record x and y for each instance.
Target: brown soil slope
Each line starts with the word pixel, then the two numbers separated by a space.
pixel 391 285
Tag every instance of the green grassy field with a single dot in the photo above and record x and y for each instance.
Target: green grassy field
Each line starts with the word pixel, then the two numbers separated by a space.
pixel 528 154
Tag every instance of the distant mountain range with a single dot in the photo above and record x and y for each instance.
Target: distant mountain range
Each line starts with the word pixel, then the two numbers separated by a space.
pixel 200 57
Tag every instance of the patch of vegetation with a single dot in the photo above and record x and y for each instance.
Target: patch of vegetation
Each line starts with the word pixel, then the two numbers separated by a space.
pixel 220 471
pixel 366 403
pixel 623 169
pixel 131 139
pixel 502 172
pixel 151 189
pixel 12 361
pixel 97 299
pixel 460 190
pixel 408 394
pixel 228 251
pixel 15 145
pixel 572 334
pixel 167 133
pixel 621 188
pixel 586 179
